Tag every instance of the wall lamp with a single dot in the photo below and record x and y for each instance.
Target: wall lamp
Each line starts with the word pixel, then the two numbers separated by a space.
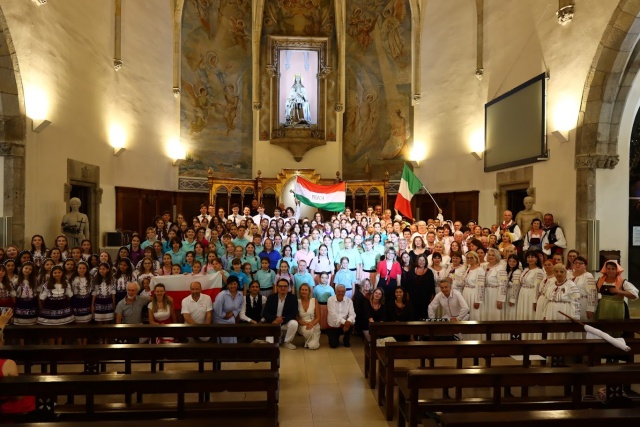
pixel 477 155
pixel 39 125
pixel 561 135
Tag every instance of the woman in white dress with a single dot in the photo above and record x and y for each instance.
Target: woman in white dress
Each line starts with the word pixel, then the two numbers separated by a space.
pixel 161 311
pixel 439 271
pixel 473 285
pixel 456 271
pixel 527 290
pixel 514 272
pixel 308 317
pixel 562 296
pixel 495 284
pixel 439 248
pixel 586 283
pixel 541 302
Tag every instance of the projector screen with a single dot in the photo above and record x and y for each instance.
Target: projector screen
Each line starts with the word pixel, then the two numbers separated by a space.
pixel 515 126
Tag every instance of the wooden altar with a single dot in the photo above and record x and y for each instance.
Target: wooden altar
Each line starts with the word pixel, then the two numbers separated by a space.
pixel 360 193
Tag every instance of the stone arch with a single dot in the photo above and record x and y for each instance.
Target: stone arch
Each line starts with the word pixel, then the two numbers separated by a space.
pixel 12 134
pixel 613 69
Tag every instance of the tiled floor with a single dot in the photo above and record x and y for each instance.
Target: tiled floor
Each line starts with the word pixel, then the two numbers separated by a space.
pixel 326 387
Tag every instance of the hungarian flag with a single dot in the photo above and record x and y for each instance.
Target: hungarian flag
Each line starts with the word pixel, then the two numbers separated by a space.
pixel 328 197
pixel 409 185
pixel 178 286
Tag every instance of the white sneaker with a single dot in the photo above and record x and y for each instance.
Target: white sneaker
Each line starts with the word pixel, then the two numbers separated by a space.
pixel 289 345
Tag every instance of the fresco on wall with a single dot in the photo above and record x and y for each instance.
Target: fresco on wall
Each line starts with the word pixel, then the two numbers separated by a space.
pixel 215 108
pixel 299 17
pixel 378 115
pixel 304 18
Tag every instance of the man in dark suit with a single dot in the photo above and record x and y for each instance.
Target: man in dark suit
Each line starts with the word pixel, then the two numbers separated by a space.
pixel 281 309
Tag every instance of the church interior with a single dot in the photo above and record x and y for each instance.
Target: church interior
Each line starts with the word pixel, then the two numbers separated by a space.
pixel 136 107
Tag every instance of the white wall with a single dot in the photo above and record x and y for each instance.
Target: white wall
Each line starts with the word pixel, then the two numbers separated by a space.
pixel 520 37
pixel 66 49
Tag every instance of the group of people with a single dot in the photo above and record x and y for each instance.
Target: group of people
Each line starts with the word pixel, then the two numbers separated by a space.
pixel 337 273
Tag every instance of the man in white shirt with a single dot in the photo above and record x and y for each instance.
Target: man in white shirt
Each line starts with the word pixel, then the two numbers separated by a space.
pixel 553 241
pixel 197 308
pixel 235 214
pixel 261 215
pixel 340 318
pixel 509 225
pixel 454 306
pixel 203 213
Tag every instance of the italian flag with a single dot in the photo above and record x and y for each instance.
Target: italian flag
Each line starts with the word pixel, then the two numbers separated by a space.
pixel 328 197
pixel 409 185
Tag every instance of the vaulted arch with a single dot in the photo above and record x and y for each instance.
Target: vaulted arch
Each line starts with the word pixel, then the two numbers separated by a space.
pixel 12 134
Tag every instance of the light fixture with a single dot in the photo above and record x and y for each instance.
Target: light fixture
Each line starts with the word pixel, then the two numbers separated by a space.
pixel 417 153
pixel 565 14
pixel 177 152
pixel 39 125
pixel 477 144
pixel 561 135
pixel 37 108
pixel 117 139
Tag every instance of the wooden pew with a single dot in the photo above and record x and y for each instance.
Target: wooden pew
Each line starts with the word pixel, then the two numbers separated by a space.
pixel 559 418
pixel 179 383
pixel 112 332
pixel 514 328
pixel 487 350
pixel 411 407
pixel 93 355
pixel 190 422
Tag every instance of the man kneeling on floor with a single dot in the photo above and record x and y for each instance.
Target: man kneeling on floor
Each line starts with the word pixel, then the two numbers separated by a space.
pixel 281 309
pixel 340 318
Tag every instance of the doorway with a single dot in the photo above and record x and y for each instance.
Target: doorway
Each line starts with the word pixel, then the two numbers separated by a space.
pixel 83 193
pixel 515 200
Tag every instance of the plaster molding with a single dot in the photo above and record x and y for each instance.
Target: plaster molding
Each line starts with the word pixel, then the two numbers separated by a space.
pixel 597 161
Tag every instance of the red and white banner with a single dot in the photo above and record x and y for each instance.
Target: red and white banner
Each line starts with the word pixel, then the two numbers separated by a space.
pixel 178 286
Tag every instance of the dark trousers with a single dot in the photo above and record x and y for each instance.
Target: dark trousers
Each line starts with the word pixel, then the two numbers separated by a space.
pixel 334 336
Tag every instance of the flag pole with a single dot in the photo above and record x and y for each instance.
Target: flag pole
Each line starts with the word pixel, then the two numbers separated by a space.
pixel 434 200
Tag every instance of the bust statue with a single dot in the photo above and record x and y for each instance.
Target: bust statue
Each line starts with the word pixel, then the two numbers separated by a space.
pixel 524 218
pixel 75 224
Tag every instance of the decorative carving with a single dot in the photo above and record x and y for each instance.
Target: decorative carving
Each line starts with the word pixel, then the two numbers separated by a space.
pixel 176 92
pixel 84 172
pixel 193 184
pixel 496 195
pixel 416 98
pixel 67 192
pixel 596 161
pixel 565 14
pixel 257 106
pixel 479 73
pixel 272 70
pixel 98 194
pixel 339 108
pixel 531 191
pixel 117 64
